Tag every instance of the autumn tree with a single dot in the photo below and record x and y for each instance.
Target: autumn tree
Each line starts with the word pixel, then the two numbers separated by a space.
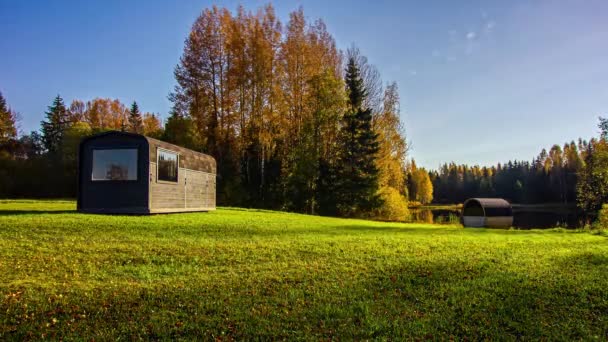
pixel 592 189
pixel 77 111
pixel 105 114
pixel 151 125
pixel 391 156
pixel 420 185
pixel 268 101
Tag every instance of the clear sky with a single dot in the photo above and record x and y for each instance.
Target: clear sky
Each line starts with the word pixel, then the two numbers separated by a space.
pixel 480 81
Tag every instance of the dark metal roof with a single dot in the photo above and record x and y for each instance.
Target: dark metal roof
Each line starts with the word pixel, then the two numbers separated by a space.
pixel 150 140
pixel 103 134
pixel 489 202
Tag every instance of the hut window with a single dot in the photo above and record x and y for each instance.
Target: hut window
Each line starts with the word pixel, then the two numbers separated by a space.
pixel 114 164
pixel 167 166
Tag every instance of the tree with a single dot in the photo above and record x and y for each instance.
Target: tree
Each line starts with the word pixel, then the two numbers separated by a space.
pixel 8 122
pixel 57 121
pixel 152 126
pixel 179 130
pixel 372 81
pixel 603 126
pixel 135 120
pixel 357 171
pixel 392 144
pixel 77 111
pixel 105 114
pixel 592 188
pixel 30 145
pixel 420 185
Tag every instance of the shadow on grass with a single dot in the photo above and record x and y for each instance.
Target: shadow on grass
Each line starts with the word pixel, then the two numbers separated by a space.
pixel 35 212
pixel 416 299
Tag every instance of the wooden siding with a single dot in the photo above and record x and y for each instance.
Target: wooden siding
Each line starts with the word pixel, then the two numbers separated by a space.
pixel 200 189
pixel 188 159
pixel 194 190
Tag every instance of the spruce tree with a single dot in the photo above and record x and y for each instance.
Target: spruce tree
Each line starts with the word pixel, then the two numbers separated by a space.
pixel 8 128
pixel 57 121
pixel 357 174
pixel 135 119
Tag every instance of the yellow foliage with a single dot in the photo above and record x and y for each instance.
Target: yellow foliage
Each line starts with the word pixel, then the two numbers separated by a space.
pixel 394 207
pixel 421 187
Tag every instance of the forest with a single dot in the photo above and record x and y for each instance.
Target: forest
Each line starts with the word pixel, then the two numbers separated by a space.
pixel 294 124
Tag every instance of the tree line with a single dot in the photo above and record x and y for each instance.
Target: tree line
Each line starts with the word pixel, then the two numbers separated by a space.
pixel 293 122
pixel 574 173
pixel 43 163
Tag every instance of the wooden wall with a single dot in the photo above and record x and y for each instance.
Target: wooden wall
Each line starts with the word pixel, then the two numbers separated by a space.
pixel 188 159
pixel 196 181
pixel 194 190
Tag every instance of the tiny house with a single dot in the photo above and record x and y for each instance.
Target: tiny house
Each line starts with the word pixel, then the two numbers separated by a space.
pixel 487 212
pixel 126 173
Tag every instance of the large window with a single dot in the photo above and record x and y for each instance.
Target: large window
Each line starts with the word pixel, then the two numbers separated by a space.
pixel 167 166
pixel 114 164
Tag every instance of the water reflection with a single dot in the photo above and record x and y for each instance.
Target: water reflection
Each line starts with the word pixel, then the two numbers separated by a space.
pixel 424 215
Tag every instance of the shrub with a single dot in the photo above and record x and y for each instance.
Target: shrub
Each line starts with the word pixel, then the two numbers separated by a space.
pixel 394 207
pixel 602 218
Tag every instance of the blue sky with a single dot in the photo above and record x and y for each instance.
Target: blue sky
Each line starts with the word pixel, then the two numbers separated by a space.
pixel 480 81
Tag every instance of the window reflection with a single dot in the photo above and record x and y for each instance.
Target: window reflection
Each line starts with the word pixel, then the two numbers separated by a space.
pixel 167 166
pixel 114 164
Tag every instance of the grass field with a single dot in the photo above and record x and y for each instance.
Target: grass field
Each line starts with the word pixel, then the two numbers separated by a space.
pixel 246 274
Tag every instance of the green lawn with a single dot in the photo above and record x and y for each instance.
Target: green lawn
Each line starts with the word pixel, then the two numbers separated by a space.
pixel 247 274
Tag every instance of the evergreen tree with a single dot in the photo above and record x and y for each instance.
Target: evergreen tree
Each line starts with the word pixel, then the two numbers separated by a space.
pixel 8 130
pixel 357 172
pixel 179 130
pixel 135 119
pixel 57 121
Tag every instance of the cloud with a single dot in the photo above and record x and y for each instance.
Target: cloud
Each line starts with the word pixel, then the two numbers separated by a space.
pixel 471 35
pixel 436 53
pixel 413 72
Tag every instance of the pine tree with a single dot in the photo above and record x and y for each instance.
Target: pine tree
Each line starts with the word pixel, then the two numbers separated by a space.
pixel 135 119
pixel 357 172
pixel 8 130
pixel 57 121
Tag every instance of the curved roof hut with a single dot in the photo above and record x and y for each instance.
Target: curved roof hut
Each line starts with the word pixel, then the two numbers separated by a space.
pixel 487 212
pixel 121 172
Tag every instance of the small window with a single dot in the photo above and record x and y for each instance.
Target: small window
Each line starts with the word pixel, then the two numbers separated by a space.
pixel 167 166
pixel 114 164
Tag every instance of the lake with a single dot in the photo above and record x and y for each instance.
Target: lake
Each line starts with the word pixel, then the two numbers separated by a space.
pixel 524 216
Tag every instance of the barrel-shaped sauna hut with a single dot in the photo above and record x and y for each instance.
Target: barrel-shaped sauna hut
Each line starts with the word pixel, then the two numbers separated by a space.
pixel 487 212
pixel 126 173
